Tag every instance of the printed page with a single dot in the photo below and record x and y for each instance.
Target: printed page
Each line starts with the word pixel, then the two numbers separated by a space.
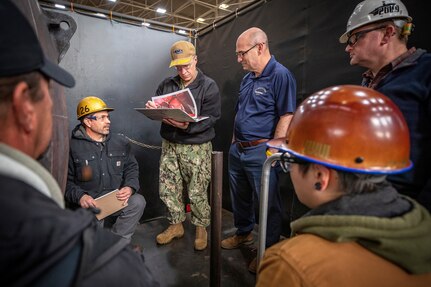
pixel 179 106
pixel 182 99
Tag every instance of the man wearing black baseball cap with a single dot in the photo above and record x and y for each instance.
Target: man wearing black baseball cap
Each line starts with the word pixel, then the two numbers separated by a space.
pixel 20 51
pixel 41 243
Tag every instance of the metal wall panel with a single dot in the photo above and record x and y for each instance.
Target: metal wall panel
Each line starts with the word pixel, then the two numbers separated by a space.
pixel 52 159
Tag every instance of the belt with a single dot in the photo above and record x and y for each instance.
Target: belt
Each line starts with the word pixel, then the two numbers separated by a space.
pixel 251 143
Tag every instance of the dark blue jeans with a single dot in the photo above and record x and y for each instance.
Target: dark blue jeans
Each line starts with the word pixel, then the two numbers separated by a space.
pixel 245 171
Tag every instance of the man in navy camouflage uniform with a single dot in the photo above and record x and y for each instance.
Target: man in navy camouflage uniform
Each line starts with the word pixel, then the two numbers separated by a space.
pixel 186 147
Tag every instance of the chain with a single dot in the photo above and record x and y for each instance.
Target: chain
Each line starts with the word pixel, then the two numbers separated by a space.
pixel 142 144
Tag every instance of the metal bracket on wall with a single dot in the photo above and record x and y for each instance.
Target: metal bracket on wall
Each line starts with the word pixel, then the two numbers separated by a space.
pixel 62 27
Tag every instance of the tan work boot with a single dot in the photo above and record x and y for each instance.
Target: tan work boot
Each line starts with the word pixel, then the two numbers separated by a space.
pixel 173 231
pixel 236 240
pixel 201 238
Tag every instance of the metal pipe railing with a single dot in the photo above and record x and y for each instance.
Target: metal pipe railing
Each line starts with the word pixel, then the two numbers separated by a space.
pixel 263 203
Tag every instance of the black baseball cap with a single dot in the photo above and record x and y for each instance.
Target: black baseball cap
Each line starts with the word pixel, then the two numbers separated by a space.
pixel 20 50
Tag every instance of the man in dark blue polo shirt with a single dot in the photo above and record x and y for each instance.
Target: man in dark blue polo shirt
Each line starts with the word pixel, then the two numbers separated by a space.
pixel 267 99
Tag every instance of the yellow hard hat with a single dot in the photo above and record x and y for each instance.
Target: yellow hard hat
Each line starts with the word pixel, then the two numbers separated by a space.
pixel 349 128
pixel 90 105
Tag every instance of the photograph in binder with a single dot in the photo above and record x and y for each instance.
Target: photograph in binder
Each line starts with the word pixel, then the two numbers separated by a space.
pixel 179 105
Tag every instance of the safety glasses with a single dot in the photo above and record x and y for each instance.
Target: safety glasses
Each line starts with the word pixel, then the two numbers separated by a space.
pixel 354 38
pixel 287 159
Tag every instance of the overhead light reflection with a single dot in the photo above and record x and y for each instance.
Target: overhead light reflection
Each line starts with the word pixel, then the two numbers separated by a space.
pixel 100 15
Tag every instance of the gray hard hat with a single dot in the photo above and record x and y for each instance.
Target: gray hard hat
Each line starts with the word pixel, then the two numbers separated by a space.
pixel 371 11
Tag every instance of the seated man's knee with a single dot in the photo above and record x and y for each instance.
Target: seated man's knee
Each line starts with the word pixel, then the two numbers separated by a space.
pixel 137 201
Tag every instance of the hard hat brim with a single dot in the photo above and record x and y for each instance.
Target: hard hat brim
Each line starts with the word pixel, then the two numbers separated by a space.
pixel 343 38
pixel 84 115
pixel 282 146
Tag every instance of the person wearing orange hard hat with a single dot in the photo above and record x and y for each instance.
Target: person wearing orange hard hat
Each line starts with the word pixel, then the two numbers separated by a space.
pixel 341 144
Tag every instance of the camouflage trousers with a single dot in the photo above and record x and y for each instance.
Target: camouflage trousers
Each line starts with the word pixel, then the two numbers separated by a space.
pixel 186 167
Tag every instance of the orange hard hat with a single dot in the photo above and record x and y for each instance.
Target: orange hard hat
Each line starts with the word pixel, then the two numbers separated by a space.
pixel 350 128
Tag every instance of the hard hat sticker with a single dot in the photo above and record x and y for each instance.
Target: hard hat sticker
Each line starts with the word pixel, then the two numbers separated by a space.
pixel 316 149
pixel 385 9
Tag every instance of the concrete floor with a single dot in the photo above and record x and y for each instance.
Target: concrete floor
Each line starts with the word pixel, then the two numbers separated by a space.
pixel 178 264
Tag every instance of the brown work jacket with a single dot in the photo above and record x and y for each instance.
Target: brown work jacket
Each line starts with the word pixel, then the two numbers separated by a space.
pixel 308 260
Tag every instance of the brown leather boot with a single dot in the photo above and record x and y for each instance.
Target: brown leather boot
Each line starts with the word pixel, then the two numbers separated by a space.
pixel 201 238
pixel 236 240
pixel 173 231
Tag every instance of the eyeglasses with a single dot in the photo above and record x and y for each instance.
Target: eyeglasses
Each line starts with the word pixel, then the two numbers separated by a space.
pixel 286 161
pixel 183 67
pixel 242 53
pixel 103 118
pixel 353 39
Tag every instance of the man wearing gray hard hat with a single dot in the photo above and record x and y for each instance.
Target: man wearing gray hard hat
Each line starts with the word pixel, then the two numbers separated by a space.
pixel 376 37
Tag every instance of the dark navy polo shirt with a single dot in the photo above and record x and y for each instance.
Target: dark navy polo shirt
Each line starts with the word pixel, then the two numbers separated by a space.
pixel 263 100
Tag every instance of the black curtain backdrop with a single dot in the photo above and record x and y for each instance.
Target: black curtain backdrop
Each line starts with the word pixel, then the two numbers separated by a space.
pixel 303 36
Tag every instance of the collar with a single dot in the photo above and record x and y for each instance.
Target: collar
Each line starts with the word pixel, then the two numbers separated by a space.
pixel 177 79
pixel 79 132
pixel 267 70
pixel 401 61
pixel 384 202
pixel 20 166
